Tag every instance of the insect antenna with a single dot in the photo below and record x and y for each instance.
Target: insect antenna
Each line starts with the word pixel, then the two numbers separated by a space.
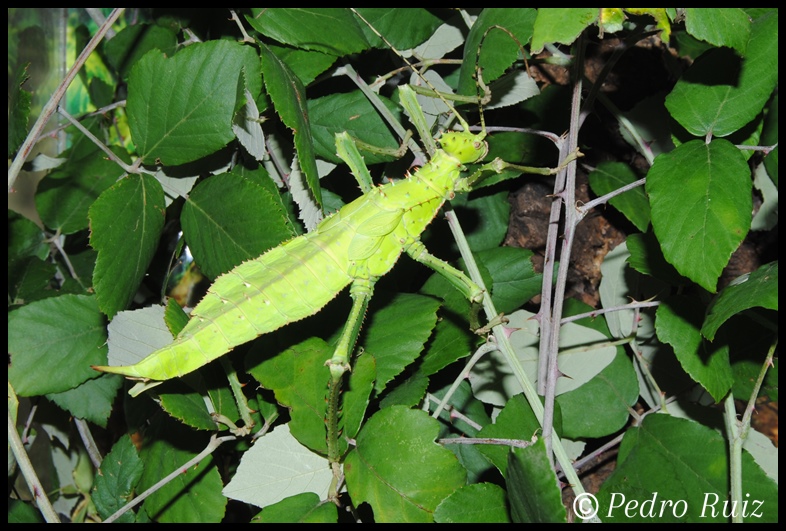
pixel 463 122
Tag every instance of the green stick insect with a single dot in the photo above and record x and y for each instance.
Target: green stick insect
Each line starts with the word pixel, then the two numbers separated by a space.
pixel 353 247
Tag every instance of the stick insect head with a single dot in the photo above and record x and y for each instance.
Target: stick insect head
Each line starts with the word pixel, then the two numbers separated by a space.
pixel 465 146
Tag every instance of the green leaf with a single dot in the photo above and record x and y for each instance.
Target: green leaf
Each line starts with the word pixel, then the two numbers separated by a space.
pixel 681 466
pixel 135 203
pixel 228 219
pixel 92 400
pixel 718 97
pixel 647 258
pixel 114 485
pixel 65 195
pixel 289 97
pixel 700 195
pixel 608 177
pixel 498 51
pixel 304 508
pixel 533 489
pixel 560 24
pixel 133 42
pixel 514 280
pixel 25 238
pixel 29 279
pixel 277 467
pixel 298 378
pixel 404 28
pixel 678 322
pixel 351 112
pixel 398 469
pixel 188 406
pixel 517 421
pixel 601 406
pixel 480 503
pixel 726 26
pixel 180 108
pixel 194 495
pixel 53 342
pixel 759 288
pixel 395 347
pixel 311 29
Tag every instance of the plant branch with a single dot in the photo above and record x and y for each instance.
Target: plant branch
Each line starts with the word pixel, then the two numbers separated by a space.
pixel 214 443
pixel 51 106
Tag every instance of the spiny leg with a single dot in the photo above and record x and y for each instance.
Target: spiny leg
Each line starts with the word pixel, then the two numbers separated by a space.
pixel 360 291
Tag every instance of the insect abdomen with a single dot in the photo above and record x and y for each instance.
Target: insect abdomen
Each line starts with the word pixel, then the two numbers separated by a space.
pixel 286 284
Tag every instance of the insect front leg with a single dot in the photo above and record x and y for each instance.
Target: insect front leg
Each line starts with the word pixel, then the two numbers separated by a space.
pixel 457 278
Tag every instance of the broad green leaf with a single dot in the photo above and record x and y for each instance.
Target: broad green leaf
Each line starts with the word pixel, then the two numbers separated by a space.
pixel 491 216
pixel 65 195
pixel 133 42
pixel 398 469
pixel 25 238
pixel 351 112
pixel 514 280
pixel 533 489
pixel 717 95
pixel 311 29
pixel 480 503
pixel 115 484
pixel 560 24
pixel 29 279
pixel 609 176
pixel 700 195
pixel 20 512
pixel 307 65
pixel 195 494
pixel 498 50
pixel 601 406
pixel 289 97
pixel 53 342
pixel 91 400
pixel 682 467
pixel 180 108
pixel 727 26
pixel 277 467
pixel 305 508
pixel 187 405
pixel 452 338
pixel 516 421
pixel 646 257
pixel 404 28
pixel 396 333
pixel 759 288
pixel 228 219
pixel 135 203
pixel 299 378
pixel 678 323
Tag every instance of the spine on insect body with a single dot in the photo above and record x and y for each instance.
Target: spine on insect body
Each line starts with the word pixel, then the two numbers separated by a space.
pixel 362 241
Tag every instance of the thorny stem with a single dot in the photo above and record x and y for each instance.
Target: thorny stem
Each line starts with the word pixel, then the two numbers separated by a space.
pixel 33 483
pixel 565 188
pixel 507 350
